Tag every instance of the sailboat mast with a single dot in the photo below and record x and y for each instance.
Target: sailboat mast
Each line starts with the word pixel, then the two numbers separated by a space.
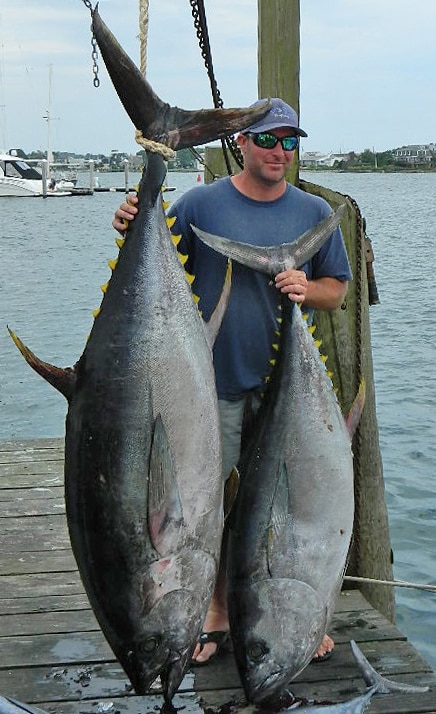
pixel 48 118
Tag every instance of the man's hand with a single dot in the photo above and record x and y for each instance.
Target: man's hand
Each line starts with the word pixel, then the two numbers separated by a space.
pixel 294 283
pixel 320 294
pixel 125 213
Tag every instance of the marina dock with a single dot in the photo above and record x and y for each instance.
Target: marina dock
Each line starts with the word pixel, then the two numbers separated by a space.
pixel 53 655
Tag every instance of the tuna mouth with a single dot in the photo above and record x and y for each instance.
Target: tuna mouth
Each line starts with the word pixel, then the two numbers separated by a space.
pixel 267 689
pixel 173 672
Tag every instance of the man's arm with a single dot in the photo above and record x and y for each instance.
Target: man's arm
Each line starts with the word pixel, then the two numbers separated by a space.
pixel 320 294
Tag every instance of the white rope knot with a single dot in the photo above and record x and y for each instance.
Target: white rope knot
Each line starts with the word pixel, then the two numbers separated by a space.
pixel 154 146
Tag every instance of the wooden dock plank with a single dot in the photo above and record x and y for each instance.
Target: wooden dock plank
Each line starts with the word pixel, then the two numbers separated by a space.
pixel 39 561
pixel 54 656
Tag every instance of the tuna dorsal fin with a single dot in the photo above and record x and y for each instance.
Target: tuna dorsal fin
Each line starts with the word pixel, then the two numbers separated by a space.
pixel 62 379
pixel 356 410
pixel 214 324
pixel 231 488
pixel 165 513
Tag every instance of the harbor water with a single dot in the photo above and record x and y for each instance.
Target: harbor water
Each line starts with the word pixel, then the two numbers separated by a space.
pixel 54 255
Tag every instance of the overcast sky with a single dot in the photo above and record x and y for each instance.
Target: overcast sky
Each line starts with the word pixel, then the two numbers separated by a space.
pixel 368 70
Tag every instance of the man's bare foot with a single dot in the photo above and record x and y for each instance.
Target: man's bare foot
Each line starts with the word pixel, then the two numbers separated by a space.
pixel 326 647
pixel 216 621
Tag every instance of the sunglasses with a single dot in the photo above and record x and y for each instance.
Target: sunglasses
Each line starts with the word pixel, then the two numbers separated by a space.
pixel 268 141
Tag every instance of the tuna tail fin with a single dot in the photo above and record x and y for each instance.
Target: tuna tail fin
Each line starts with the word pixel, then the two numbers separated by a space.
pixel 62 379
pixel 174 127
pixel 274 259
pixel 374 679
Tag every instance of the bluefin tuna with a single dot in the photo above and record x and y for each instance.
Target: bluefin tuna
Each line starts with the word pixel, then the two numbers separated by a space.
pixel 291 524
pixel 143 482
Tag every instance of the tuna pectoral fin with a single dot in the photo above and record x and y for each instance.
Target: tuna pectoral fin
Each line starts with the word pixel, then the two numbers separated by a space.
pixel 62 379
pixel 214 324
pixel 280 526
pixel 353 418
pixel 165 514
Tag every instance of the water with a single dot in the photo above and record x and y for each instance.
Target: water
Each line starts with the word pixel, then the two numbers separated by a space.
pixel 54 258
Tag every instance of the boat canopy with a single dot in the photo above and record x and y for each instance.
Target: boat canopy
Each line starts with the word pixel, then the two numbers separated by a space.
pixel 17 168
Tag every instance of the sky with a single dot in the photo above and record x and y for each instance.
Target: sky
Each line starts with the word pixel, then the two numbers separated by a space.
pixel 367 70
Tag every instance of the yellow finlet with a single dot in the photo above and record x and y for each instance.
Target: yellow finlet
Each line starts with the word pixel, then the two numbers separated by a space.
pixel 190 278
pixel 176 238
pixel 170 221
pixel 104 287
pixel 183 258
pixel 120 242
pixel 96 312
pixel 113 263
pixel 276 346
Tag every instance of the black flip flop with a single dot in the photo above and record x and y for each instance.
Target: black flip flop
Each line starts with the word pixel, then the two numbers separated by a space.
pixel 220 638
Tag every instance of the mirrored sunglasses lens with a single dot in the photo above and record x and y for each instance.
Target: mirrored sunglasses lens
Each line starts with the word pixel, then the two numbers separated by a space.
pixel 265 141
pixel 289 143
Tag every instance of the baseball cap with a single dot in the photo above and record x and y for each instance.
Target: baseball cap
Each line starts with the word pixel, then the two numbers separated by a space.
pixel 280 115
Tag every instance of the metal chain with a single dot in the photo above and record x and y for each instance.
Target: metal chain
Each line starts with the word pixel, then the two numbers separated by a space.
pixel 200 25
pixel 94 53
pixel 357 439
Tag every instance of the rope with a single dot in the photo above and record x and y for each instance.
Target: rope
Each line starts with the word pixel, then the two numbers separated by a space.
pixel 154 146
pixel 147 144
pixel 392 583
pixel 143 34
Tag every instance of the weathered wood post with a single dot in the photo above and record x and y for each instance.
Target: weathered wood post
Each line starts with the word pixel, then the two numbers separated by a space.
pixel 345 332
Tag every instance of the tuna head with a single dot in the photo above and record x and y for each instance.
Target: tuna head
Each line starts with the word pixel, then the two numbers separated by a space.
pixel 163 642
pixel 266 656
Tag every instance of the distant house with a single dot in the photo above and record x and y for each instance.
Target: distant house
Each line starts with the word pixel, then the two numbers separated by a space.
pixel 415 153
pixel 315 159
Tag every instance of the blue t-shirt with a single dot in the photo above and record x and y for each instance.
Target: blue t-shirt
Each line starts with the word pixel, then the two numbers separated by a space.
pixel 244 345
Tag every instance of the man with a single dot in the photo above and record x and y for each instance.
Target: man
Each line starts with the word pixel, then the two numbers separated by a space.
pixel 255 206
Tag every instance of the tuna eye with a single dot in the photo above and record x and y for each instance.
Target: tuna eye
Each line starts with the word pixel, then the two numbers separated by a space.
pixel 257 651
pixel 149 646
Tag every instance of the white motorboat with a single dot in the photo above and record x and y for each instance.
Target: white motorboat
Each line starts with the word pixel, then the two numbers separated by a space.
pixel 18 178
